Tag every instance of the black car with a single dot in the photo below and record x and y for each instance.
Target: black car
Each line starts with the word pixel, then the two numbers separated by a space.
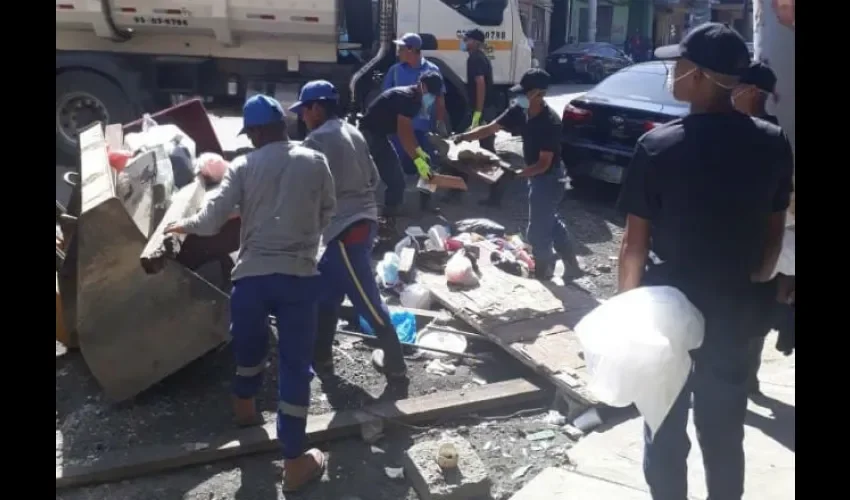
pixel 586 62
pixel 601 127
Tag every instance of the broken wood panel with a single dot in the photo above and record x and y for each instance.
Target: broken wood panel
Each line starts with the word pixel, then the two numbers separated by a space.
pixel 135 462
pixel 499 298
pixel 557 357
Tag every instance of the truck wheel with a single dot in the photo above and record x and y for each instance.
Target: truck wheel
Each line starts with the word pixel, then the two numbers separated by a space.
pixel 82 98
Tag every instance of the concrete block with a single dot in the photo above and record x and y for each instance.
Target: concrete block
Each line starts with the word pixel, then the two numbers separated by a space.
pixel 469 480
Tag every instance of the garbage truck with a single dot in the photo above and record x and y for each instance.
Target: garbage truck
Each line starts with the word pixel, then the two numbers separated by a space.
pixel 116 59
pixel 774 44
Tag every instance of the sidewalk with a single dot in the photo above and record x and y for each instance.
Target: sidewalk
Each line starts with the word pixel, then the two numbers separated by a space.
pixel 614 455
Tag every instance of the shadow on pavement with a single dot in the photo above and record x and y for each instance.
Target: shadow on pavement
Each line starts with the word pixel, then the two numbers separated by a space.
pixel 781 426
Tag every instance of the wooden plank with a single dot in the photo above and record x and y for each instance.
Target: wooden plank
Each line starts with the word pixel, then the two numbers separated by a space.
pixel 532 322
pixel 118 466
pixel 160 246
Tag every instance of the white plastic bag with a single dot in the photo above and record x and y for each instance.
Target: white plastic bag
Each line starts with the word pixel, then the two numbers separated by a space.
pixel 636 347
pixel 415 297
pixel 387 270
pixel 459 271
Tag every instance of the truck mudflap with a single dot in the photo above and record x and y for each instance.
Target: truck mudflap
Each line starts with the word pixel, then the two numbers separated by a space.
pixel 134 328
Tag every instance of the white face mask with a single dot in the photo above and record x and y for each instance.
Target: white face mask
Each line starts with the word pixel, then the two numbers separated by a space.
pixel 672 79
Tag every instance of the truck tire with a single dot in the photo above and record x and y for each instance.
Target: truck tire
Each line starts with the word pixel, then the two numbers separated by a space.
pixel 83 97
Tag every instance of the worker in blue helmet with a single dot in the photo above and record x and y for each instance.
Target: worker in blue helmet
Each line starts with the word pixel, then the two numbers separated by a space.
pixel 346 265
pixel 285 194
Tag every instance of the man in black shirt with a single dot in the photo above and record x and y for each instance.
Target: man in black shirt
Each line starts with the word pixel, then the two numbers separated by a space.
pixel 705 198
pixel 750 97
pixel 392 113
pixel 540 128
pixel 482 101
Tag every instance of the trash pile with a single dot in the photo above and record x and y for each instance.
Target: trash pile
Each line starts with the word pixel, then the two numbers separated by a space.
pixel 452 250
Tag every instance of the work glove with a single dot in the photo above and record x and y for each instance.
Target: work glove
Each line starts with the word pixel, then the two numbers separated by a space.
pixel 422 167
pixel 476 119
pixel 442 130
pixel 422 154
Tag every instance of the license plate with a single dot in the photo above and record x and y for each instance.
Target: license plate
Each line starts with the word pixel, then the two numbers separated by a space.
pixel 608 173
pixel 562 59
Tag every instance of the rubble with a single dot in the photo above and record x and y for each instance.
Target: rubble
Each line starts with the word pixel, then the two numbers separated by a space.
pixel 470 479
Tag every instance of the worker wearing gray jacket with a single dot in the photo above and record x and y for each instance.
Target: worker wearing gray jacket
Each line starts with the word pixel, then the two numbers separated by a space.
pixel 346 265
pixel 285 194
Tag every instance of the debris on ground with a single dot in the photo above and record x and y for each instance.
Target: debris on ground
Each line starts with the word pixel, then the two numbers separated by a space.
pixel 469 479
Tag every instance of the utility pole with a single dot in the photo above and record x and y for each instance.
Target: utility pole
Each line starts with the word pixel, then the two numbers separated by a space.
pixel 700 12
pixel 592 6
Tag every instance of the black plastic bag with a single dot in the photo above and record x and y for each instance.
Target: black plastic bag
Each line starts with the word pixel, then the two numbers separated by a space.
pixel 484 227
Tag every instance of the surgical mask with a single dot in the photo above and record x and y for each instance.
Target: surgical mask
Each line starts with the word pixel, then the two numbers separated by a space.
pixel 672 79
pixel 428 101
pixel 463 46
pixel 521 101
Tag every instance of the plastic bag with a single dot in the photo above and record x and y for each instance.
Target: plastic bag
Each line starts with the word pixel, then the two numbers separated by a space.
pixel 387 270
pixel 484 227
pixel 636 347
pixel 212 167
pixel 404 323
pixel 459 271
pixel 415 297
pixel 177 146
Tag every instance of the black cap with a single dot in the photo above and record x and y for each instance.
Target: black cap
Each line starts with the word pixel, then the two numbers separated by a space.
pixel 474 34
pixel 712 46
pixel 433 82
pixel 533 79
pixel 761 76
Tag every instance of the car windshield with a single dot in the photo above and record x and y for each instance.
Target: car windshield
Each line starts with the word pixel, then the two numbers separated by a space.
pixel 641 84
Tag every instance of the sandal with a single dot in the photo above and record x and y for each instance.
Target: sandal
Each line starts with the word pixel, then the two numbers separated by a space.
pixel 293 486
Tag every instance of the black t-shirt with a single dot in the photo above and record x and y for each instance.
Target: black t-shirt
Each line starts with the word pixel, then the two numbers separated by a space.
pixel 381 116
pixel 478 64
pixel 708 183
pixel 770 118
pixel 540 133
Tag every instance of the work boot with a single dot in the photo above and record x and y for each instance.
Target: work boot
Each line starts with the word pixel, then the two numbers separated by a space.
pixel 324 369
pixel 301 471
pixel 245 412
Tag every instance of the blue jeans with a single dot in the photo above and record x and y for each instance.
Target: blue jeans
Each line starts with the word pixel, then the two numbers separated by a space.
pixel 346 269
pixel 718 387
pixel 546 228
pixel 292 300
pixel 387 161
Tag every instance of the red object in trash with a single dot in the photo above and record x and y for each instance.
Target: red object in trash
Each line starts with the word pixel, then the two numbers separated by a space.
pixel 118 159
pixel 453 245
pixel 526 259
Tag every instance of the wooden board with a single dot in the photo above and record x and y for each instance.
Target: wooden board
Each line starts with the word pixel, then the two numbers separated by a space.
pixel 135 462
pixel 530 320
pixel 560 484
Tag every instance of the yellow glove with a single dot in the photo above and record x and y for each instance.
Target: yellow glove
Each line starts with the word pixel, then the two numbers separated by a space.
pixel 422 154
pixel 476 119
pixel 422 167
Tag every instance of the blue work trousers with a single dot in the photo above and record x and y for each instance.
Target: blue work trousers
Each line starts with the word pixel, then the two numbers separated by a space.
pixel 346 270
pixel 546 228
pixel 293 302
pixel 718 386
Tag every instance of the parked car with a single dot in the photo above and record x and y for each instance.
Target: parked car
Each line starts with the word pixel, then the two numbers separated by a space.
pixel 601 127
pixel 586 62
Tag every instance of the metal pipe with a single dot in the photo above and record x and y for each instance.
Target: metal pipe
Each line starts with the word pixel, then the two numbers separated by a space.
pixel 386 25
pixel 432 349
